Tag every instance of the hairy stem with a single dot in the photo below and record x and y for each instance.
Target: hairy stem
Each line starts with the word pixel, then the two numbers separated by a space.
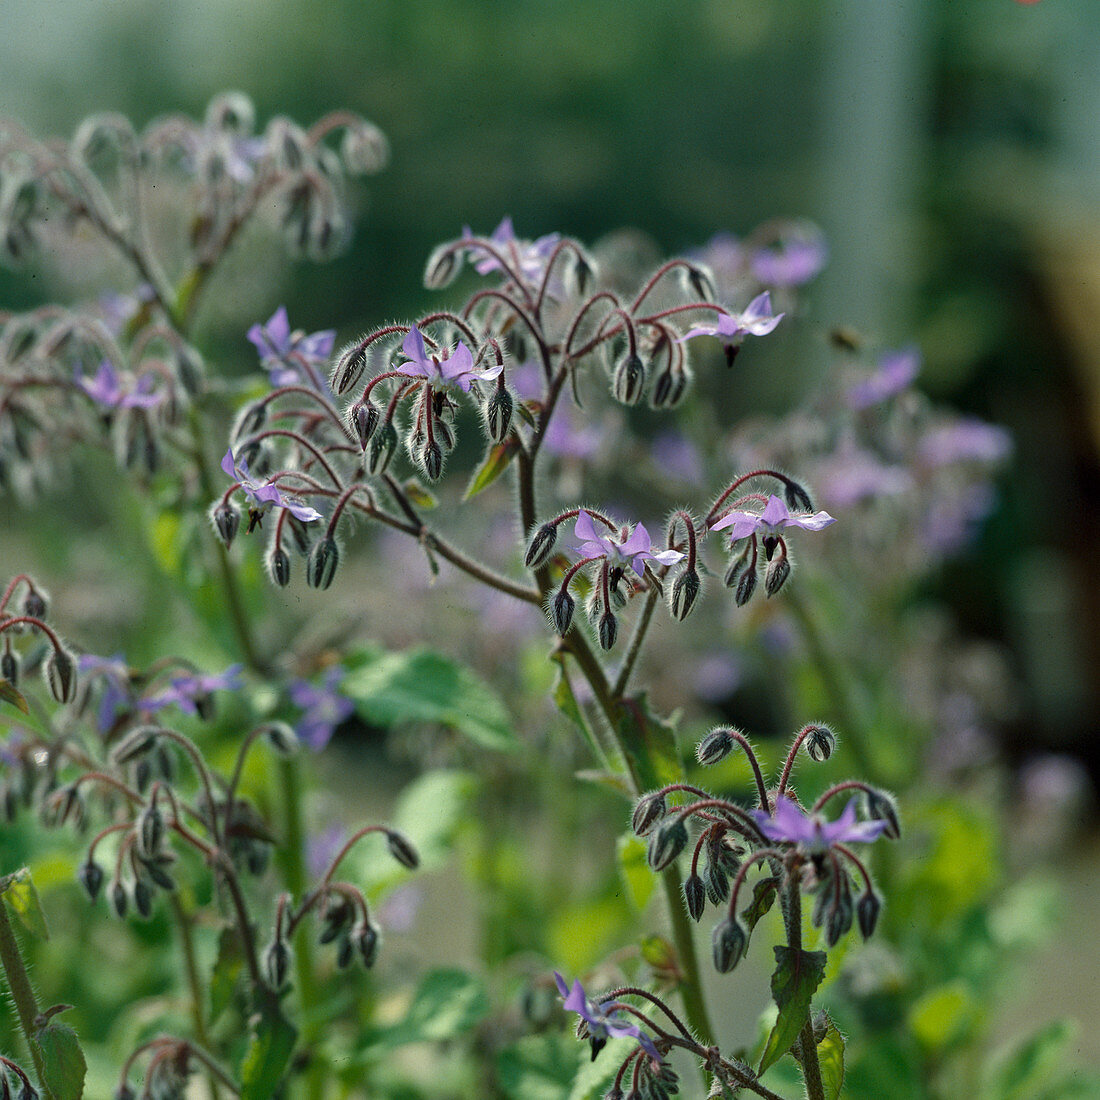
pixel 194 984
pixel 22 994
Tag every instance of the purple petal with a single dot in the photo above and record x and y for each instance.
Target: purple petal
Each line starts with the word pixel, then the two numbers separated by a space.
pixel 775 512
pixel 667 557
pixel 815 522
pixel 638 542
pixel 301 511
pixel 278 331
pixel 413 346
pixel 586 529
pixel 741 524
pixel 229 466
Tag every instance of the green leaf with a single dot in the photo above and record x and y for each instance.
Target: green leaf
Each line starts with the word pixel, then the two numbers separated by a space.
pixel 797 975
pixel 638 878
pixel 650 743
pixel 22 899
pixel 270 1046
pixel 420 685
pixel 447 1004
pixel 63 1065
pixel 493 465
pixel 763 898
pixel 11 694
pixel 538 1067
pixel 566 701
pixel 228 966
pixel 830 1057
pixel 1031 1064
pixel 418 495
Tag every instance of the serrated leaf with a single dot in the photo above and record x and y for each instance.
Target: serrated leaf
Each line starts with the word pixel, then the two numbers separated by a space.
pixel 763 898
pixel 270 1045
pixel 492 466
pixel 11 694
pixel 63 1065
pixel 448 1003
pixel 650 743
pixel 23 901
pixel 228 966
pixel 418 495
pixel 830 1057
pixel 420 685
pixel 637 876
pixel 797 975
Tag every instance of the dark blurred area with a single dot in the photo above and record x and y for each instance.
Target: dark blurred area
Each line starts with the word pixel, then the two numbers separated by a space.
pixel 950 152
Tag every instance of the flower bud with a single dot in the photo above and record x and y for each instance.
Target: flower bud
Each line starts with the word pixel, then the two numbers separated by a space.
pixel 700 282
pixel 582 273
pixel 728 942
pixel 715 746
pixel 683 593
pixel 541 545
pixel 498 414
pixel 365 939
pixel 666 843
pixel 60 674
pixel 136 743
pixel 669 388
pixel 717 883
pixel 90 876
pixel 322 562
pixel 350 364
pixel 189 369
pixel 443 266
pixel 746 586
pixel 336 914
pixel 380 450
pixel 819 743
pixel 143 898
pixel 364 149
pixel 649 809
pixel 281 738
pixel 232 112
pixel 881 806
pixel 119 899
pixel 9 667
pixel 607 630
pixel 695 896
pixel 628 381
pixel 143 774
pixel 278 565
pixel 250 419
pixel 344 952
pixel 402 850
pixel 431 460
pixel 34 604
pixel 365 419
pixel 839 920
pixel 155 869
pixel 150 831
pixel 276 963
pixel 562 607
pixel 227 521
pixel 797 498
pixel 779 569
pixel 867 911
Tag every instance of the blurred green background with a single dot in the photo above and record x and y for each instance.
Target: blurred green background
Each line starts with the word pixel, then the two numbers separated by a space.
pixel 950 151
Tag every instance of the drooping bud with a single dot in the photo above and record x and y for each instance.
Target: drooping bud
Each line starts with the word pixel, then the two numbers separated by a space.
pixel 628 381
pixel 443 266
pixel 715 746
pixel 276 963
pixel 281 738
pixel 728 942
pixel 431 460
pixel 381 448
pixel 366 939
pixel 695 896
pixel 402 850
pixel 155 868
pixel 365 420
pixel 34 604
pixel 746 586
pixel 582 272
pixel 797 498
pixel 90 876
pixel 278 564
pixel 867 911
pixel 779 569
pixel 350 364
pixel 666 843
pixel 344 952
pixel 143 898
pixel 227 521
pixel 607 629
pixel 364 148
pixel 336 914
pixel 881 806
pixel 562 607
pixel 9 667
pixel 840 916
pixel 120 901
pixel 150 831
pixel 717 883
pixel 322 562
pixel 540 546
pixel 60 673
pixel 819 743
pixel 250 419
pixel 700 282
pixel 189 369
pixel 683 594
pixel 498 414
pixel 649 810
pixel 135 744
pixel 669 388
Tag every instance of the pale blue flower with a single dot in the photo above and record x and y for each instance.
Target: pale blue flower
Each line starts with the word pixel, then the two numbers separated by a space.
pixel 776 514
pixel 787 824
pixel 445 368
pixel 604 1022
pixel 630 548
pixel 264 494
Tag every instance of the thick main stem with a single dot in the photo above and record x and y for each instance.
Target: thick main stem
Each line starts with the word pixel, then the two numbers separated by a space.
pixel 811 1067
pixel 22 994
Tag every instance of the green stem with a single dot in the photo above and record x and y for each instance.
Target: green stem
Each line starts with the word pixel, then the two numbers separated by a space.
pixel 194 985
pixel 22 994
pixel 691 989
pixel 811 1067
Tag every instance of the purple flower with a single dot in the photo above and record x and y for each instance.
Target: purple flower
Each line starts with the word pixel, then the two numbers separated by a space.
pixel 111 391
pixel 852 474
pixel 117 695
pixel 604 1021
pixel 265 494
pixel 966 439
pixel 732 328
pixel 631 548
pixel 288 356
pixel 789 825
pixel 794 259
pixel 896 369
pixel 450 367
pixel 529 257
pixel 775 515
pixel 324 708
pixel 188 692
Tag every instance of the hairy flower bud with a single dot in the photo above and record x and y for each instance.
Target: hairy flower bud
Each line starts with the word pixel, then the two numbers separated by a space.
pixel 728 943
pixel 60 673
pixel 562 607
pixel 365 938
pixel 717 883
pixel 276 963
pixel 278 565
pixel 819 743
pixel 670 387
pixel 881 806
pixel 136 743
pixel 364 149
pixel 380 450
pixel 350 364
pixel 119 899
pixel 336 916
pixel 143 898
pixel 779 569
pixel 715 746
pixel 443 266
pixel 322 562
pixel 431 460
pixel 607 630
pixel 155 868
pixel 498 414
pixel 683 594
pixel 541 546
pixel 189 369
pixel 649 809
pixel 798 499
pixel 281 738
pixel 365 418
pixel 150 831
pixel 666 843
pixel 9 666
pixel 700 282
pixel 90 876
pixel 34 604
pixel 628 381
pixel 227 521
pixel 402 850
pixel 746 586
pixel 582 272
pixel 839 920
pixel 695 896
pixel 867 911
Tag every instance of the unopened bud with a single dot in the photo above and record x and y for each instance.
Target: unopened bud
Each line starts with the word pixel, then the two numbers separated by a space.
pixel 431 460
pixel 189 369
pixel 839 920
pixel 607 630
pixel 498 414
pixel 881 806
pixel 350 365
pixel 402 850
pixel 155 868
pixel 442 268
pixel 365 420
pixel 344 952
pixel 867 911
pixel 629 380
pixel 746 586
pixel 34 604
pixel 728 942
pixel 700 282
pixel 90 876
pixel 648 811
pixel 582 272
pixel 276 963
pixel 797 498
pixel 779 569
pixel 717 883
pixel 819 743
pixel 135 744
pixel 666 843
pixel 143 898
pixel 541 545
pixel 364 149
pixel 366 939
pixel 278 564
pixel 120 901
pixel 227 521
pixel 281 738
pixel 562 607
pixel 251 419
pixel 150 831
pixel 380 450
pixel 321 565
pixel 715 746
pixel 683 593
pixel 695 896
pixel 60 674
pixel 9 667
